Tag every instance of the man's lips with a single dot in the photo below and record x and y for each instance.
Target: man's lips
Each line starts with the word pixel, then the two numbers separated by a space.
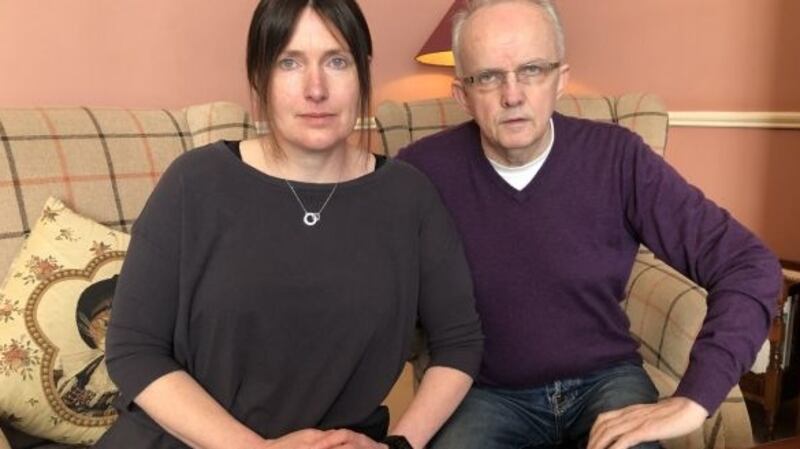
pixel 514 121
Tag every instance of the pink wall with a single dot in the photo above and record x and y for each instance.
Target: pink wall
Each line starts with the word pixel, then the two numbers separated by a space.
pixel 122 52
pixel 172 53
pixel 723 55
pixel 696 55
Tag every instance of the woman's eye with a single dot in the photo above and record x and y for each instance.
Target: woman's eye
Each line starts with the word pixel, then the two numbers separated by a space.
pixel 339 62
pixel 287 64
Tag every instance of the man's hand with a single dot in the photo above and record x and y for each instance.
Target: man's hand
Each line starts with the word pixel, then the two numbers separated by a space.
pixel 629 426
pixel 346 439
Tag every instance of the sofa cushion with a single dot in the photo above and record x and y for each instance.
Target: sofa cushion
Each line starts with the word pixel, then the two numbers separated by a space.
pixel 20 440
pixel 102 161
pixel 399 124
pixel 221 120
pixel 54 306
pixel 666 385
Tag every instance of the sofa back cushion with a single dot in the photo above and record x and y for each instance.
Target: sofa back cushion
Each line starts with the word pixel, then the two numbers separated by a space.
pixel 102 162
pixel 399 124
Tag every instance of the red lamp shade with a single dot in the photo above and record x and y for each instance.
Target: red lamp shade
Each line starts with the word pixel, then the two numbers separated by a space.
pixel 437 50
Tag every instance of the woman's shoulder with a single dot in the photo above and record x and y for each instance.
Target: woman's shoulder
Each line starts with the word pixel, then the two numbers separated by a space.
pixel 204 155
pixel 200 161
pixel 406 181
pixel 408 175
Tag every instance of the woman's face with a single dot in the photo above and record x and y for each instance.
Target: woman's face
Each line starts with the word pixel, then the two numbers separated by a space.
pixel 314 93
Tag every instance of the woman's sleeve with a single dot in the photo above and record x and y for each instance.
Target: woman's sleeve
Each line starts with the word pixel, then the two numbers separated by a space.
pixel 446 302
pixel 139 344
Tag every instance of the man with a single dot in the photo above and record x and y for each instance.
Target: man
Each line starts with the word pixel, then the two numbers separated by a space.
pixel 552 210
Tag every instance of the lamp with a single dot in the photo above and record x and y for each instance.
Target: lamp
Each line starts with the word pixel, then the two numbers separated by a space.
pixel 437 50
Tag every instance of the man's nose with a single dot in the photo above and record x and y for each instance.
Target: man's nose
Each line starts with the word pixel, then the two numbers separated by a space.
pixel 512 91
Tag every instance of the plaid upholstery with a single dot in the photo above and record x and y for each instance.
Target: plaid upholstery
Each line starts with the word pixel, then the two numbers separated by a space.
pixel 102 162
pixel 402 123
pixel 666 309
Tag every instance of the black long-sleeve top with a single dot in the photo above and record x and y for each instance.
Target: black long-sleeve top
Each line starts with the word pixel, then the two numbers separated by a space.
pixel 287 326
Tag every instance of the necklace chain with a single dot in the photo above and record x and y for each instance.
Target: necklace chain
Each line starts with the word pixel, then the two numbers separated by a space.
pixel 311 218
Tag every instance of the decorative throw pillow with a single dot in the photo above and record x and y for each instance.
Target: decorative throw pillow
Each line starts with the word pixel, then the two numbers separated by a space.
pixel 54 307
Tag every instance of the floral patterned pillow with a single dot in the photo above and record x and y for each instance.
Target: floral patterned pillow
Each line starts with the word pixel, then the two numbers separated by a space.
pixel 54 307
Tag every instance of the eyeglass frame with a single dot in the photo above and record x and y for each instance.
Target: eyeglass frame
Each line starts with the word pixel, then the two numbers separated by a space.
pixel 547 68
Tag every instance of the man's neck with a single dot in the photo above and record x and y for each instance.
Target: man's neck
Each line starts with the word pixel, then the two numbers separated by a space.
pixel 517 157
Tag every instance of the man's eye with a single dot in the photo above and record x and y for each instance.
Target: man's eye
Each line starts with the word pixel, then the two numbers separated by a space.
pixel 531 70
pixel 486 78
pixel 288 64
pixel 339 62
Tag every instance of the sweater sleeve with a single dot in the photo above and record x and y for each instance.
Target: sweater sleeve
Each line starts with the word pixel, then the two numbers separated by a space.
pixel 702 241
pixel 446 299
pixel 139 345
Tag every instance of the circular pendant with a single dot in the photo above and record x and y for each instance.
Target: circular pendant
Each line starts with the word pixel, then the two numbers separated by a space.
pixel 310 218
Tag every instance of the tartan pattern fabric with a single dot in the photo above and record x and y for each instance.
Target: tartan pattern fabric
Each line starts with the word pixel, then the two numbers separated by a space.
pixel 710 437
pixel 103 162
pixel 666 310
pixel 402 123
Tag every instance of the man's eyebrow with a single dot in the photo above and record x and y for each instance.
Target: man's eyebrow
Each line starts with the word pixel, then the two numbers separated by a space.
pixel 527 62
pixel 488 69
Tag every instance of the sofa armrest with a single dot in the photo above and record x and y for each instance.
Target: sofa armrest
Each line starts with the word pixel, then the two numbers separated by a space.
pixel 666 311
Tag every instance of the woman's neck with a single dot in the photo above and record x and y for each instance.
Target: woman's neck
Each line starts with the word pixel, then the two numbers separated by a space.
pixel 318 166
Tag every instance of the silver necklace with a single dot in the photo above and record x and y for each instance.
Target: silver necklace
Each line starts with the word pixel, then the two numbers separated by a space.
pixel 311 218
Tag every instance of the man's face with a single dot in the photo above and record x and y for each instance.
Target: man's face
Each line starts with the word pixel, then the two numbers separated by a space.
pixel 513 114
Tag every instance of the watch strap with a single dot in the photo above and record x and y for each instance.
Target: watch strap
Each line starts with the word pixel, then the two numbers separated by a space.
pixel 397 442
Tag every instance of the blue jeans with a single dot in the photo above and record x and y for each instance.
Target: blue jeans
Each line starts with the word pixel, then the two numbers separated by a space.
pixel 560 414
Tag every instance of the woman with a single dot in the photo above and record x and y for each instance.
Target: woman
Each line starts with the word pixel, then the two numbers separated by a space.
pixel 272 286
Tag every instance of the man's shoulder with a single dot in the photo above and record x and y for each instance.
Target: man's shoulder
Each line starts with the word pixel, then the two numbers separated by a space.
pixel 444 145
pixel 580 129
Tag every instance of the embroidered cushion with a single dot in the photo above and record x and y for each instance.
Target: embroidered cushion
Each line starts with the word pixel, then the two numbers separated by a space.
pixel 54 307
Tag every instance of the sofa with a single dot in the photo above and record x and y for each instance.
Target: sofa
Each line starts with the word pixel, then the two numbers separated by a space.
pixel 102 163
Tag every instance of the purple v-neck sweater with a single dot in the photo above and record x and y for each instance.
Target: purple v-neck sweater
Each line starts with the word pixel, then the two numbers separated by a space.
pixel 550 262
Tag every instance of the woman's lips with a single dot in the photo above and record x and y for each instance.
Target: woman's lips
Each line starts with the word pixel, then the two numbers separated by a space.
pixel 317 118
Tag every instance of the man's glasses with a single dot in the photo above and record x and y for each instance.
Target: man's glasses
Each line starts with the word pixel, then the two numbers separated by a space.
pixel 530 74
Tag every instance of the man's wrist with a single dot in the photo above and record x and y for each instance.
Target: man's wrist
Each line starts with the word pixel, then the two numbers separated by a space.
pixel 397 442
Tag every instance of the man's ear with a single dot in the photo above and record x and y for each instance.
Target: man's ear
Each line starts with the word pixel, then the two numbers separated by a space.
pixel 460 94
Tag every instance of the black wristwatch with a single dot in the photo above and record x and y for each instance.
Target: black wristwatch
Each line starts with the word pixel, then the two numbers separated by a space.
pixel 397 442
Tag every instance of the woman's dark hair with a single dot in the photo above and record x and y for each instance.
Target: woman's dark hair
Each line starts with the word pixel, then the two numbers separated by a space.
pixel 271 29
